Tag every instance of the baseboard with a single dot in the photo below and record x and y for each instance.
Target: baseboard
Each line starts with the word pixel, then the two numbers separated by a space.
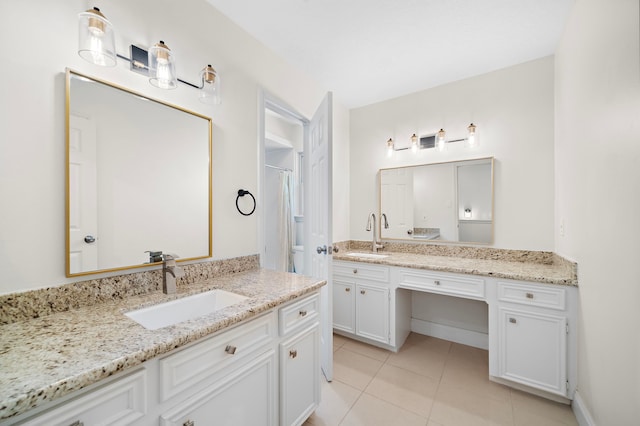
pixel 581 411
pixel 453 334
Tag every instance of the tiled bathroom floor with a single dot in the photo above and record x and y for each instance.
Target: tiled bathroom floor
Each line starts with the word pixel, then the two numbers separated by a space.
pixel 430 382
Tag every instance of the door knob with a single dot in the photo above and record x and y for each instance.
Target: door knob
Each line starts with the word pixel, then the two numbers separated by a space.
pixel 322 249
pixel 89 239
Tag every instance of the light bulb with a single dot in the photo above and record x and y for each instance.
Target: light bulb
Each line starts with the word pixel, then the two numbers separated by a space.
pixel 390 148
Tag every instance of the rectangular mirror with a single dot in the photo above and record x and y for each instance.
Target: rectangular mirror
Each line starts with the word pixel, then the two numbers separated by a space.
pixel 138 178
pixel 443 202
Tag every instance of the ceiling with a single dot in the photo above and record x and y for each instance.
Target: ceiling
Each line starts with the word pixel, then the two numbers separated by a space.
pixel 366 51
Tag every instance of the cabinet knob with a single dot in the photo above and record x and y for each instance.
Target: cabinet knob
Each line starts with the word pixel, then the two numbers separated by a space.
pixel 362 292
pixel 189 423
pixel 529 295
pixel 303 313
pixel 513 320
pixel 347 289
pixel 230 349
pixel 293 353
pixel 355 271
pixel 437 282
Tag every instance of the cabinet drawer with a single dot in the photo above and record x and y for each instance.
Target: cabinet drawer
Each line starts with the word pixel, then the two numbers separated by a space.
pixel 362 271
pixel 532 295
pixel 443 284
pixel 120 402
pixel 298 314
pixel 182 370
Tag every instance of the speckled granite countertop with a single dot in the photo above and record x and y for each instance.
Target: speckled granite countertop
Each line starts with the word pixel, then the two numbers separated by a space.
pixel 44 358
pixel 551 269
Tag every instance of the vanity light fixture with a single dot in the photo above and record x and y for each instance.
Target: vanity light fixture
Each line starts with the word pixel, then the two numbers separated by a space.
pixel 435 140
pixel 97 45
pixel 390 148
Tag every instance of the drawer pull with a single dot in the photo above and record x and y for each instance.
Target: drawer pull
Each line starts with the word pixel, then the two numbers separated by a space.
pixel 77 423
pixel 513 320
pixel 293 353
pixel 437 282
pixel 230 349
pixel 529 295
pixel 189 423
pixel 303 313
pixel 362 292
pixel 355 271
pixel 347 289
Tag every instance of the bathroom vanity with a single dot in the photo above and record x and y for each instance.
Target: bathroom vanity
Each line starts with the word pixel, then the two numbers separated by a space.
pixel 532 310
pixel 254 362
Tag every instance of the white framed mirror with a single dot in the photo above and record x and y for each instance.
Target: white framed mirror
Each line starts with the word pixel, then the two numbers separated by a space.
pixel 441 202
pixel 138 178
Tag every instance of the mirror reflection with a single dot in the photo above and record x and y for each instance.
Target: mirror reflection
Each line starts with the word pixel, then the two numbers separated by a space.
pixel 439 202
pixel 138 178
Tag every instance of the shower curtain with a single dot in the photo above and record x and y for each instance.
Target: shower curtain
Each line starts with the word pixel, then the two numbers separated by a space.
pixel 285 225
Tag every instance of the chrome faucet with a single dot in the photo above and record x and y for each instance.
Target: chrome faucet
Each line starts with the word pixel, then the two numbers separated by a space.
pixel 371 223
pixel 170 271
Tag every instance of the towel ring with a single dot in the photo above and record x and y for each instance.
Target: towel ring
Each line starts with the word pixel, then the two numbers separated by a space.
pixel 242 193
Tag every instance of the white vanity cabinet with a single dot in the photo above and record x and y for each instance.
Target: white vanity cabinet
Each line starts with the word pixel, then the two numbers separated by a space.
pixel 299 361
pixel 534 344
pixel 261 372
pixel 230 377
pixel 366 305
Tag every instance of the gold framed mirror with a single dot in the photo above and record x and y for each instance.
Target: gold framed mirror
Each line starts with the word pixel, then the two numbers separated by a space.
pixel 440 202
pixel 138 178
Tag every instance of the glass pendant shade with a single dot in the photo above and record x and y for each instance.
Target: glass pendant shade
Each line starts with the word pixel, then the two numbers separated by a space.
pixel 96 42
pixel 441 140
pixel 210 92
pixel 390 147
pixel 162 70
pixel 414 143
pixel 472 138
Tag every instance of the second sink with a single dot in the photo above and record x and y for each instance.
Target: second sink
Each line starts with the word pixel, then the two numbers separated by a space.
pixel 369 255
pixel 184 309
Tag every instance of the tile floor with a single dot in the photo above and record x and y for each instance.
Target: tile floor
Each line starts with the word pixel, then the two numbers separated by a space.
pixel 430 382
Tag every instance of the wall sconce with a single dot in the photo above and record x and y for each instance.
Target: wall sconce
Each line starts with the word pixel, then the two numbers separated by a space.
pixel 97 45
pixel 467 213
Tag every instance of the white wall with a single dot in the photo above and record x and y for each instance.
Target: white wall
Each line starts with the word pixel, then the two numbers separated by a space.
pixel 597 150
pixel 41 40
pixel 513 109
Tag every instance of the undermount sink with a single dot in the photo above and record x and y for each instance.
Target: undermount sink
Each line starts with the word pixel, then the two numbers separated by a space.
pixel 184 309
pixel 368 255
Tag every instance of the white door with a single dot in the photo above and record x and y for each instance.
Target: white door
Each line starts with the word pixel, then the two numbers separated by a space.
pixel 318 213
pixel 396 202
pixel 83 213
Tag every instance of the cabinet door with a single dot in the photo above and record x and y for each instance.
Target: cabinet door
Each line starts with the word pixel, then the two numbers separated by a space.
pixel 533 349
pixel 299 376
pixel 372 312
pixel 344 314
pixel 245 397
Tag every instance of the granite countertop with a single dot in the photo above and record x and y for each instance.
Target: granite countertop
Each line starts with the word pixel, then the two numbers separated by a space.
pixel 44 358
pixel 555 271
